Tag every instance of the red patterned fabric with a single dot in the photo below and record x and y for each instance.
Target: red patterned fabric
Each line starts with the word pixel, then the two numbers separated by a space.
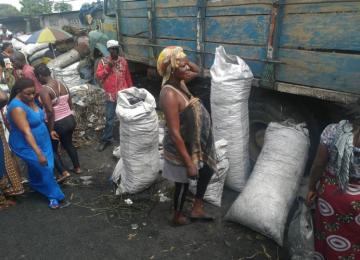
pixel 337 221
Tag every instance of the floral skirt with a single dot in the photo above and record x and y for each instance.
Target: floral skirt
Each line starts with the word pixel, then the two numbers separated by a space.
pixel 337 221
pixel 10 180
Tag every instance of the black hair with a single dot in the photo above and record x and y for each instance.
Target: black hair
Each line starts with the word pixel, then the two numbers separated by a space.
pixel 18 56
pixel 42 70
pixel 19 86
pixel 352 112
pixel 5 45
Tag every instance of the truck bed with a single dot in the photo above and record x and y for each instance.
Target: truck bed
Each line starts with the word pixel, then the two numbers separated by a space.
pixel 316 46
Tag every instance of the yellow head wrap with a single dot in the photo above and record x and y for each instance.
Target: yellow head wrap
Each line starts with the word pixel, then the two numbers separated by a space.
pixel 167 61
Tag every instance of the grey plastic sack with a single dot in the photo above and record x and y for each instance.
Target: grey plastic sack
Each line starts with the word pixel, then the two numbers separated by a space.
pixel 270 191
pixel 231 80
pixel 139 141
pixel 215 187
pixel 300 239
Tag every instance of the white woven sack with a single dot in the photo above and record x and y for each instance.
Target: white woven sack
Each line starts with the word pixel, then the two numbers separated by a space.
pixel 69 76
pixel 139 141
pixel 31 48
pixel 215 187
pixel 37 55
pixel 231 80
pixel 270 191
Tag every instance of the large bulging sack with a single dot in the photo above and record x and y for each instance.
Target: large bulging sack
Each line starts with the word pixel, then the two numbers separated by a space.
pixel 69 75
pixel 270 191
pixel 139 141
pixel 231 80
pixel 31 48
pixel 215 187
pixel 64 59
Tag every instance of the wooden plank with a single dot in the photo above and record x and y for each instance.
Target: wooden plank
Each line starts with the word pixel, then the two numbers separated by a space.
pixel 250 52
pixel 176 12
pixel 238 10
pixel 134 27
pixel 238 29
pixel 322 8
pixel 312 1
pixel 183 28
pixel 324 94
pixel 174 3
pixel 189 47
pixel 236 2
pixel 133 4
pixel 139 13
pixel 136 47
pixel 325 31
pixel 332 71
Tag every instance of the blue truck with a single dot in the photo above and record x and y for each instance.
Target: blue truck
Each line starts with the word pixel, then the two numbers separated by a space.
pixel 304 54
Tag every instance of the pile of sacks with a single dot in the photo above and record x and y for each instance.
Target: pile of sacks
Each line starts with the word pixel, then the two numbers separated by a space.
pixel 269 192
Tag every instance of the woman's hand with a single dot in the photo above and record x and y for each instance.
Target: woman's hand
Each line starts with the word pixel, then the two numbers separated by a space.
pixel 54 135
pixel 310 198
pixel 42 160
pixel 192 171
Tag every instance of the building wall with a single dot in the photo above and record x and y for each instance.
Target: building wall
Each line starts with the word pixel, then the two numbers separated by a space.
pixel 58 20
pixel 18 24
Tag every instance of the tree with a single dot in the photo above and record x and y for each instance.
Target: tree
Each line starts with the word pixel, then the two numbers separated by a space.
pixel 36 7
pixel 62 7
pixel 8 10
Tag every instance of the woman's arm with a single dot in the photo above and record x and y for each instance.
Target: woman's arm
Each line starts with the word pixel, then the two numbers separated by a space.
pixel 192 73
pixel 47 104
pixel 317 169
pixel 19 117
pixel 170 106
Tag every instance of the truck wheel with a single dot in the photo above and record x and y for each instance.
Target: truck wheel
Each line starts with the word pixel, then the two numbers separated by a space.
pixel 264 110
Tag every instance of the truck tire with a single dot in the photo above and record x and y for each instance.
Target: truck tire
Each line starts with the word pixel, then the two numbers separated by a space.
pixel 264 110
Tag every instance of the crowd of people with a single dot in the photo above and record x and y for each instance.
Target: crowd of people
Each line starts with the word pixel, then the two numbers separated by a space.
pixel 39 118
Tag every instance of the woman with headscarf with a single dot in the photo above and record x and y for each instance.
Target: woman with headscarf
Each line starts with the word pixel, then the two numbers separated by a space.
pixel 10 181
pixel 29 139
pixel 335 181
pixel 188 141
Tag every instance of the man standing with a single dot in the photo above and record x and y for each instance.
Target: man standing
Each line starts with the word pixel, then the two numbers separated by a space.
pixel 113 72
pixel 5 34
pixel 27 71
pixel 6 68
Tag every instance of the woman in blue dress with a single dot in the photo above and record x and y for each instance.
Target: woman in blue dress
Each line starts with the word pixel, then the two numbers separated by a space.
pixel 29 139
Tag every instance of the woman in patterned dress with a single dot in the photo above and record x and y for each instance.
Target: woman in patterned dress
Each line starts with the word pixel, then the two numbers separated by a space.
pixel 335 182
pixel 10 181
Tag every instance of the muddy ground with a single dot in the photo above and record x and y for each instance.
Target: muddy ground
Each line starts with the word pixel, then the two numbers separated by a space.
pixel 98 225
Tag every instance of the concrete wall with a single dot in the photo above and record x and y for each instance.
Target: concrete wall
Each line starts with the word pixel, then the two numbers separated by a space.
pixel 58 20
pixel 21 24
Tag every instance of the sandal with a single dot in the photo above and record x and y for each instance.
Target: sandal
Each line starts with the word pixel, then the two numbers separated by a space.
pixel 63 177
pixel 54 204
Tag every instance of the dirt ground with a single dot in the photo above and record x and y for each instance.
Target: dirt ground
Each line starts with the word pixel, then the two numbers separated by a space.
pixel 98 225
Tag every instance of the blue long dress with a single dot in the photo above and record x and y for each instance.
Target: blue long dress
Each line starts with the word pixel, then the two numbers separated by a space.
pixel 41 178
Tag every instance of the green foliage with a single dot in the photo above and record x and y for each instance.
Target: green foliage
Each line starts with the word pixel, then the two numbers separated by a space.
pixel 36 7
pixel 8 10
pixel 62 7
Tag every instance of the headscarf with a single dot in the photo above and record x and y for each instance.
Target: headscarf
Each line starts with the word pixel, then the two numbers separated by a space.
pixel 167 61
